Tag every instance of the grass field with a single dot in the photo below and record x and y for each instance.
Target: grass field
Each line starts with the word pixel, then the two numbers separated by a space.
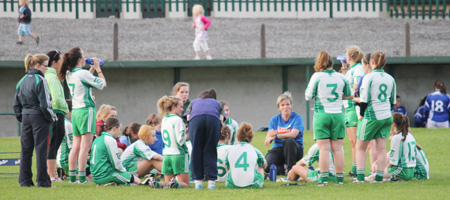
pixel 434 142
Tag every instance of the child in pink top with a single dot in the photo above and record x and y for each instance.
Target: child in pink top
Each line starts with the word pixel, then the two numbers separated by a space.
pixel 201 24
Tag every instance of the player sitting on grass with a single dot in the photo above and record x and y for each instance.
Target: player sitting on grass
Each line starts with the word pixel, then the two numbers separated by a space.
pixel 245 163
pixel 300 172
pixel 223 148
pixel 106 166
pixel 422 170
pixel 401 158
pixel 138 158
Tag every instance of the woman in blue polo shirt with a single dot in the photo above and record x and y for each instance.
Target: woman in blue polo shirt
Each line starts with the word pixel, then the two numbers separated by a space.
pixel 286 131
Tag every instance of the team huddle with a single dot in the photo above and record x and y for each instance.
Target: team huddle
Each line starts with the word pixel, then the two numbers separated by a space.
pixel 189 142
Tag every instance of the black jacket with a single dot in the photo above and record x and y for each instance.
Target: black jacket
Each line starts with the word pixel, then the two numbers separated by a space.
pixel 33 96
pixel 26 16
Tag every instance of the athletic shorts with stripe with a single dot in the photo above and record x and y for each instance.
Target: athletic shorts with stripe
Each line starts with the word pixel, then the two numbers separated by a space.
pixel 329 126
pixel 373 129
pixel 117 177
pixel 83 121
pixel 175 164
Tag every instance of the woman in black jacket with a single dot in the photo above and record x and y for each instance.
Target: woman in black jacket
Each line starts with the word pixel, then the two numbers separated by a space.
pixel 33 107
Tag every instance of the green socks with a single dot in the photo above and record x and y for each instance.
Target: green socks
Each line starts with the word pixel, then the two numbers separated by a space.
pixel 82 176
pixel 360 174
pixel 379 176
pixel 339 177
pixel 73 176
pixel 323 177
pixel 354 167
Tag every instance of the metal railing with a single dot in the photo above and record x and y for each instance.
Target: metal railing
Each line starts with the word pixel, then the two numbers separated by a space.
pixel 396 8
pixel 19 124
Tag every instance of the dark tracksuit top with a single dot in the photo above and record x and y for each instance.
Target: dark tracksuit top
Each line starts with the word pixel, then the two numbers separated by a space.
pixel 32 107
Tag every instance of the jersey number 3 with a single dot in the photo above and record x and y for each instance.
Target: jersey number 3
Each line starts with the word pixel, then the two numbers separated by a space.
pixel 333 92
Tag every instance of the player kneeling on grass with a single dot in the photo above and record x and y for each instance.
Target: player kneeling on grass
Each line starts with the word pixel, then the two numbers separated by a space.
pixel 245 163
pixel 138 158
pixel 402 159
pixel 301 173
pixel 106 166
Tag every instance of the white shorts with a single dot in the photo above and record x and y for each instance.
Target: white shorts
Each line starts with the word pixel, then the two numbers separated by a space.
pixel 201 41
pixel 433 124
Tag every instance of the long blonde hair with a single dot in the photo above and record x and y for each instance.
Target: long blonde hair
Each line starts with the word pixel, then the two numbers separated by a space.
pixel 355 53
pixel 32 60
pixel 197 11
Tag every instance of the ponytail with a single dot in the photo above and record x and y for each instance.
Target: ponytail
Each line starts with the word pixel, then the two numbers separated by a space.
pixel 323 61
pixel 379 59
pixel 32 60
pixel 245 133
pixel 165 104
pixel 111 123
pixel 70 61
pixel 355 53
pixel 401 123
pixel 440 85
pixel 208 94
pixel 225 132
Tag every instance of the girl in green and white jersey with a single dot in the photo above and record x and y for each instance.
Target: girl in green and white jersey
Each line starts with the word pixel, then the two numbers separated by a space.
pixel 106 166
pixel 378 92
pixel 422 170
pixel 231 123
pixel 138 158
pixel 176 154
pixel 81 82
pixel 223 147
pixel 245 163
pixel 329 88
pixel 353 71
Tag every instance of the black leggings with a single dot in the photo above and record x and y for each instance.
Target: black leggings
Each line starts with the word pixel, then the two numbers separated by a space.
pixel 58 132
pixel 288 154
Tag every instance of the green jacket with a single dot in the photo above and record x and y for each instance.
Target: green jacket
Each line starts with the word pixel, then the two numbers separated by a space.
pixel 56 91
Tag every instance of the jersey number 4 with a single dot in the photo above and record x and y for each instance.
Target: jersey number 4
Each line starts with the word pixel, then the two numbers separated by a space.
pixel 242 159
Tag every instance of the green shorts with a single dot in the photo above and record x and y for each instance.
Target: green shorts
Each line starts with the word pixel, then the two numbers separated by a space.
pixel 405 173
pixel 175 164
pixel 83 121
pixel 373 129
pixel 351 119
pixel 313 176
pixel 132 169
pixel 329 126
pixel 258 182
pixel 117 177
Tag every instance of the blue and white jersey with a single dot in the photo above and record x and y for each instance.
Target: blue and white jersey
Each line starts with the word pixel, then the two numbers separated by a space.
pixel 438 105
pixel 400 109
pixel 419 116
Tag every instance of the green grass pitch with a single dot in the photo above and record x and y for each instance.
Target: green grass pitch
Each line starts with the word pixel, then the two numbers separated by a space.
pixel 434 142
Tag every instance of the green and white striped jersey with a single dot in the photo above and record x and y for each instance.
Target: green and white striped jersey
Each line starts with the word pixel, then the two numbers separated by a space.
pixel 234 126
pixel 62 157
pixel 378 90
pixel 242 161
pixel 135 152
pixel 174 135
pixel 313 156
pixel 222 152
pixel 422 170
pixel 328 87
pixel 403 153
pixel 80 82
pixel 353 75
pixel 105 158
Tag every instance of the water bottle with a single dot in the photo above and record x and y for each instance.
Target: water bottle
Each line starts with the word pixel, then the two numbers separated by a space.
pixel 311 168
pixel 342 58
pixel 273 173
pixel 90 61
